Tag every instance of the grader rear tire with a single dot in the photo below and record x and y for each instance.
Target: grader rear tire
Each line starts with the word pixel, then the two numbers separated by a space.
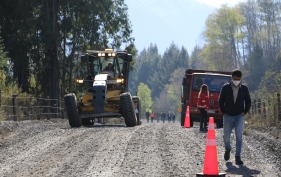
pixel 128 111
pixel 72 110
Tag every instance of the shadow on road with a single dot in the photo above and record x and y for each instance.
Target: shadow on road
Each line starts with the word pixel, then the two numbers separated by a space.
pixel 99 126
pixel 105 125
pixel 241 170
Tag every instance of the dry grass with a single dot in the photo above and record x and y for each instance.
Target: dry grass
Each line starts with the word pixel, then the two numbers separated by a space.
pixel 2 115
pixel 269 125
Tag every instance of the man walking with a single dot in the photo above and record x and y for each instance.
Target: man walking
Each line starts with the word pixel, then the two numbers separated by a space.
pixel 234 103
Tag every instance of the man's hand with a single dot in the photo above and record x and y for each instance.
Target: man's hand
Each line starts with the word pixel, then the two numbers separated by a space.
pixel 243 114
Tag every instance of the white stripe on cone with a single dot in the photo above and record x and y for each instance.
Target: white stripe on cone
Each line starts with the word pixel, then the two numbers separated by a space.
pixel 211 142
pixel 211 127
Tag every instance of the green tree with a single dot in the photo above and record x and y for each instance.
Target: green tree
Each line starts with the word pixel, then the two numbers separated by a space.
pixel 196 60
pixel 155 70
pixel 45 38
pixel 145 95
pixel 255 67
pixel 145 70
pixel 223 36
pixel 174 87
pixel 4 66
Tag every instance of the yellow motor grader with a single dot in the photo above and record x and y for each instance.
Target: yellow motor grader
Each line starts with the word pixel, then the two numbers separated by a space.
pixel 106 96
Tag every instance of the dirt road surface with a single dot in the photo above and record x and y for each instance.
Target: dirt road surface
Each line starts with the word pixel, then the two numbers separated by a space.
pixel 52 148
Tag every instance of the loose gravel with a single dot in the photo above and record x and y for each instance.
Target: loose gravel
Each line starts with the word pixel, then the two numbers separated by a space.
pixel 52 148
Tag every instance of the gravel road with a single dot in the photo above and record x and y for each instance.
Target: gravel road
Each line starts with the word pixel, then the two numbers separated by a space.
pixel 52 148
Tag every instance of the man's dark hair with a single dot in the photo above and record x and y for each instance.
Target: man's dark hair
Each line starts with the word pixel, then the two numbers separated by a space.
pixel 236 73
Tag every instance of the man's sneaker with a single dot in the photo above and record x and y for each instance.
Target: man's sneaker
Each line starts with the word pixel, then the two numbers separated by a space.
pixel 226 155
pixel 238 160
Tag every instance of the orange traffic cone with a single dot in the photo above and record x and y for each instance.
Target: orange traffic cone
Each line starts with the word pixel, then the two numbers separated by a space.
pixel 211 159
pixel 187 118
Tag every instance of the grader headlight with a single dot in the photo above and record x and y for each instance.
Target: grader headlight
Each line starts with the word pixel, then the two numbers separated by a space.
pixel 120 80
pixel 79 81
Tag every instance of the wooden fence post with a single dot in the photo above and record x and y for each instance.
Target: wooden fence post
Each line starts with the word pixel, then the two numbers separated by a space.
pixel 254 106
pixel 278 106
pixel 49 108
pixel 259 106
pixel 14 107
pixel 38 115
pixel 264 108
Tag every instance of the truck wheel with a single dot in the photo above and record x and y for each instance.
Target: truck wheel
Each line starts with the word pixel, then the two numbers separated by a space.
pixel 183 110
pixel 191 122
pixel 128 110
pixel 72 111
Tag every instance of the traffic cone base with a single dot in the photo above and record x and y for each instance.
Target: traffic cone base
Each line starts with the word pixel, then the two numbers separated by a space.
pixel 202 175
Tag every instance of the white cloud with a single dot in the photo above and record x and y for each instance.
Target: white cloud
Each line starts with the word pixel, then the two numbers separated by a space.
pixel 218 3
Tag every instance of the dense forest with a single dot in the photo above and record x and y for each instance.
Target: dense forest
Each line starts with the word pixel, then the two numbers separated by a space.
pixel 41 40
pixel 247 37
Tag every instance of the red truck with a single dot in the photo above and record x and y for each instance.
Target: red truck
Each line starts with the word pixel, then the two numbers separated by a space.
pixel 191 83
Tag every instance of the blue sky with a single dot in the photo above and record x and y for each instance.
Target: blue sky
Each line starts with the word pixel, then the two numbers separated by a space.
pixel 162 22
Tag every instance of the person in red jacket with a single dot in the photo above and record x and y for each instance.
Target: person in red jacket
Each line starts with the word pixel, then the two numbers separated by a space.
pixel 203 105
pixel 152 116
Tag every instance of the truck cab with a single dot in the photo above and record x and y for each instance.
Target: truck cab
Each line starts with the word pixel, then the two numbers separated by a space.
pixel 191 83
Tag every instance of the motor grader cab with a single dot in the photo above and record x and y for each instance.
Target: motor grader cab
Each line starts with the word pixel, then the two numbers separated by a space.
pixel 105 77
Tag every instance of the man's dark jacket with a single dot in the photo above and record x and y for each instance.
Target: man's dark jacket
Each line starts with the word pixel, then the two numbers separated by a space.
pixel 226 100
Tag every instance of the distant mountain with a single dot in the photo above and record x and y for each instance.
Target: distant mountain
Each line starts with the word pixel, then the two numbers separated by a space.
pixel 162 22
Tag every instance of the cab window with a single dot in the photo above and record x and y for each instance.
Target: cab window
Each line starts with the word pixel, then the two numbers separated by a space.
pixel 214 82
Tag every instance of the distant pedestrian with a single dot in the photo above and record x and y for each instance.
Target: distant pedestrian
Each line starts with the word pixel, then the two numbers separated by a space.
pixel 169 116
pixel 157 116
pixel 203 105
pixel 147 116
pixel 234 103
pixel 163 116
pixel 152 115
pixel 174 117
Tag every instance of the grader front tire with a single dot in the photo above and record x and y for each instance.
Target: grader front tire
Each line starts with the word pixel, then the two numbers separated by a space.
pixel 128 110
pixel 72 110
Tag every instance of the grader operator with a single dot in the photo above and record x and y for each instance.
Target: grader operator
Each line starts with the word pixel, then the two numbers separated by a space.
pixel 107 93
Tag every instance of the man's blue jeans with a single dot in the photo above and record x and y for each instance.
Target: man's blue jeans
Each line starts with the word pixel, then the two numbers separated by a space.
pixel 236 122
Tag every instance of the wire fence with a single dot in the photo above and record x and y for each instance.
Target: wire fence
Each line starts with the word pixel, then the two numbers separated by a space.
pixel 27 108
pixel 266 108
